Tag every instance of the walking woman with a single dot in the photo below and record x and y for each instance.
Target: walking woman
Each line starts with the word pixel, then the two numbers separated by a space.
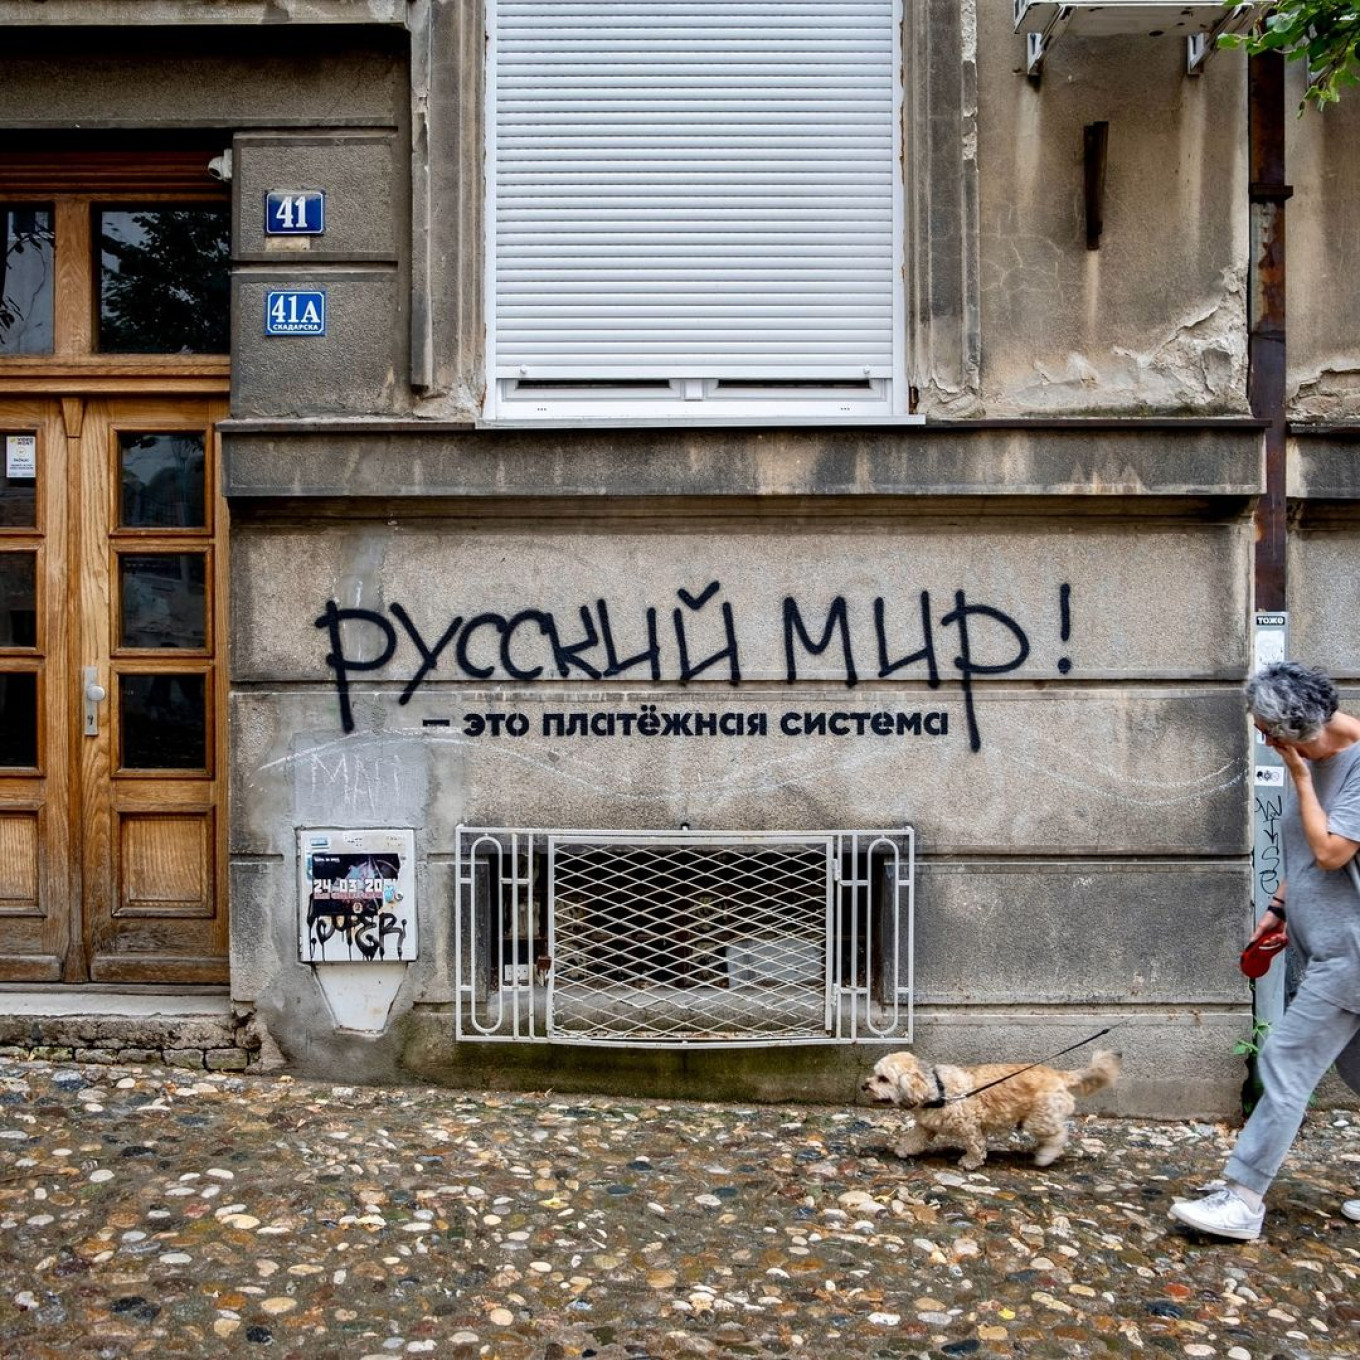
pixel 1296 710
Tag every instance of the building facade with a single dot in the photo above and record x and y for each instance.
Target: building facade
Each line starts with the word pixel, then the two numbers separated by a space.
pixel 658 548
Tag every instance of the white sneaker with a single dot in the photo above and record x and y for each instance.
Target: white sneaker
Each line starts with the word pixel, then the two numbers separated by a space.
pixel 1351 1209
pixel 1221 1214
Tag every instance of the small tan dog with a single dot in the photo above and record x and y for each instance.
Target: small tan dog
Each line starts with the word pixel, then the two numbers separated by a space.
pixel 1038 1101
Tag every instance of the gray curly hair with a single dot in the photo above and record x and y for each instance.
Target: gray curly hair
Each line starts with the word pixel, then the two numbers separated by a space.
pixel 1292 702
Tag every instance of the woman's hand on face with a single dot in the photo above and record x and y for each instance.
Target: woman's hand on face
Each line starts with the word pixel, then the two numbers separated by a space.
pixel 1294 762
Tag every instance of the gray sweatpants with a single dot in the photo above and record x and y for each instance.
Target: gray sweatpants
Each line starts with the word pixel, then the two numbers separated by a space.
pixel 1313 1035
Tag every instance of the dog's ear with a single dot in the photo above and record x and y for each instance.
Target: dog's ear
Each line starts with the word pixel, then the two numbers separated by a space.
pixel 906 1077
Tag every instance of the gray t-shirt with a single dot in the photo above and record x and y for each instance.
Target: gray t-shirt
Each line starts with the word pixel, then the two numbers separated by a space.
pixel 1323 905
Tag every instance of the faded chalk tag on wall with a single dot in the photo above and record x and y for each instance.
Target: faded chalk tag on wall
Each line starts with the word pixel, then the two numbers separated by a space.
pixel 357 901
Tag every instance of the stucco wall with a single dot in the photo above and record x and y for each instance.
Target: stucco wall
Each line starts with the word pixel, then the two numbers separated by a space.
pixel 1324 245
pixel 1155 319
pixel 1088 853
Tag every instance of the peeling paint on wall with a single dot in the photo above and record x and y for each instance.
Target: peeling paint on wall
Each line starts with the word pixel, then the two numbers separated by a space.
pixel 1200 365
pixel 1332 394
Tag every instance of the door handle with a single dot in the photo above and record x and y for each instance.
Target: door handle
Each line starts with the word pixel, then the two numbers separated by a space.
pixel 94 694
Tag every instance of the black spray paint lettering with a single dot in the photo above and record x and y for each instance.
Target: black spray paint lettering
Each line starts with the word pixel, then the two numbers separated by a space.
pixel 1065 627
pixel 485 639
pixel 343 665
pixel 362 924
pixel 1268 856
pixel 484 642
pixel 692 670
pixel 964 662
pixel 837 618
pixel 926 652
pixel 650 654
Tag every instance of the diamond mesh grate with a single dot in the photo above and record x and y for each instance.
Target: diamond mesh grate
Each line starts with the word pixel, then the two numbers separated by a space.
pixel 689 941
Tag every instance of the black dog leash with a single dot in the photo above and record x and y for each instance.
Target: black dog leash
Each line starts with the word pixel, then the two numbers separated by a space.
pixel 941 1100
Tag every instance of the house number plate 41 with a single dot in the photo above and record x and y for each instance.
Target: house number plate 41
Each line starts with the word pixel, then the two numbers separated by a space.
pixel 295 213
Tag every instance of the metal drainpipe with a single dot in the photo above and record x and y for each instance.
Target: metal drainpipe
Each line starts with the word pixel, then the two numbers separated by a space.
pixel 1266 315
pixel 1266 393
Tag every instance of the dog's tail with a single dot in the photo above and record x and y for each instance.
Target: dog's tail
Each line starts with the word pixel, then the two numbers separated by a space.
pixel 1103 1071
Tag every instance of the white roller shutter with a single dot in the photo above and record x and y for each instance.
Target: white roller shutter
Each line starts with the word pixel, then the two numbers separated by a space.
pixel 692 189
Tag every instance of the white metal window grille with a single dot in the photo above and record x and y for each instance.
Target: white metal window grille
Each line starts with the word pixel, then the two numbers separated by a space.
pixel 694 209
pixel 684 939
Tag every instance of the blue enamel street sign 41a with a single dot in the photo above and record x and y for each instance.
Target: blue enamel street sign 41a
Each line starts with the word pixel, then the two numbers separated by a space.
pixel 290 312
pixel 295 214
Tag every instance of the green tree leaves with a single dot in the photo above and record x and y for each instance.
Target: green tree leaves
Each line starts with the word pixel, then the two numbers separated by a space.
pixel 1324 33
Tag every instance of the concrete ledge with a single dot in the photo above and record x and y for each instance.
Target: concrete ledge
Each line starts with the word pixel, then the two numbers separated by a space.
pixel 87 1025
pixel 1090 459
pixel 84 1003
pixel 1178 1064
pixel 177 13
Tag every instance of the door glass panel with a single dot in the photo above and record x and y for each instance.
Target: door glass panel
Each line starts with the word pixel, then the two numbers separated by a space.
pixel 164 603
pixel 19 720
pixel 18 599
pixel 26 279
pixel 163 722
pixel 164 281
pixel 162 476
pixel 18 490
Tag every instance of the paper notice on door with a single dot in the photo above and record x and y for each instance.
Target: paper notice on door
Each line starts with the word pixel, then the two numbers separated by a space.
pixel 21 456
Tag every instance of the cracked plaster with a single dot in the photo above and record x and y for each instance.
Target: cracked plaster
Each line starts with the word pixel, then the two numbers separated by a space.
pixel 1333 394
pixel 1199 365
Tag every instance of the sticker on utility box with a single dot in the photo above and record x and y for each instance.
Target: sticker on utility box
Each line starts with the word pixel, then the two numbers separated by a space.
pixel 287 312
pixel 357 898
pixel 295 213
pixel 21 456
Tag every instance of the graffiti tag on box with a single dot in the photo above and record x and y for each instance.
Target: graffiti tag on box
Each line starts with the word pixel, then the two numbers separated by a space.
pixel 906 640
pixel 357 902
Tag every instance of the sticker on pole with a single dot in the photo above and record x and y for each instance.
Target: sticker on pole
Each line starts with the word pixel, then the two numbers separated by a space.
pixel 295 213
pixel 289 312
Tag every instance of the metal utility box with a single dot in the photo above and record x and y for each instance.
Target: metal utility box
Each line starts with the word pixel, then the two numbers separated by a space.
pixel 356 896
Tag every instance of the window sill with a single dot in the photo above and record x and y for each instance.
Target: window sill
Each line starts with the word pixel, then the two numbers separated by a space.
pixel 770 420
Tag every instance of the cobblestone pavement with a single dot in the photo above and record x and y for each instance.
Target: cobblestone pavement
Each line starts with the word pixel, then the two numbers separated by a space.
pixel 146 1211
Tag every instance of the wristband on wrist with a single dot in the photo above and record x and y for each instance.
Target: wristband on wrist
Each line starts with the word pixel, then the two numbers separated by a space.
pixel 1277 906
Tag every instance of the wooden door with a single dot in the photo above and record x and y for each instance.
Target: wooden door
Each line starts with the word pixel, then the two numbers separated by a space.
pixel 117 825
pixel 151 766
pixel 36 883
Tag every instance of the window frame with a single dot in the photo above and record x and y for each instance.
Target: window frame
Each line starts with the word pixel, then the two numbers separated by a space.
pixel 75 184
pixel 698 400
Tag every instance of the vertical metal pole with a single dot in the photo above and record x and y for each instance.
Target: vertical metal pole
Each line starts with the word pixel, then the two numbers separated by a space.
pixel 1271 643
pixel 1266 392
pixel 459 901
pixel 1266 315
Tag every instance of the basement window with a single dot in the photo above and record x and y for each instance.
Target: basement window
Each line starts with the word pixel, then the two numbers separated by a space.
pixel 678 939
